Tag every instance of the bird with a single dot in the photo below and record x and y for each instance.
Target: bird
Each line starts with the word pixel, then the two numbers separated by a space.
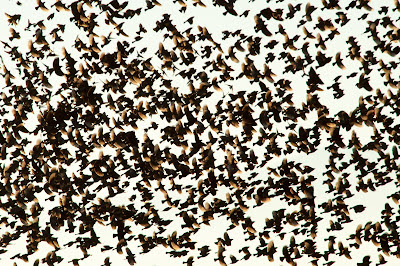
pixel 216 122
